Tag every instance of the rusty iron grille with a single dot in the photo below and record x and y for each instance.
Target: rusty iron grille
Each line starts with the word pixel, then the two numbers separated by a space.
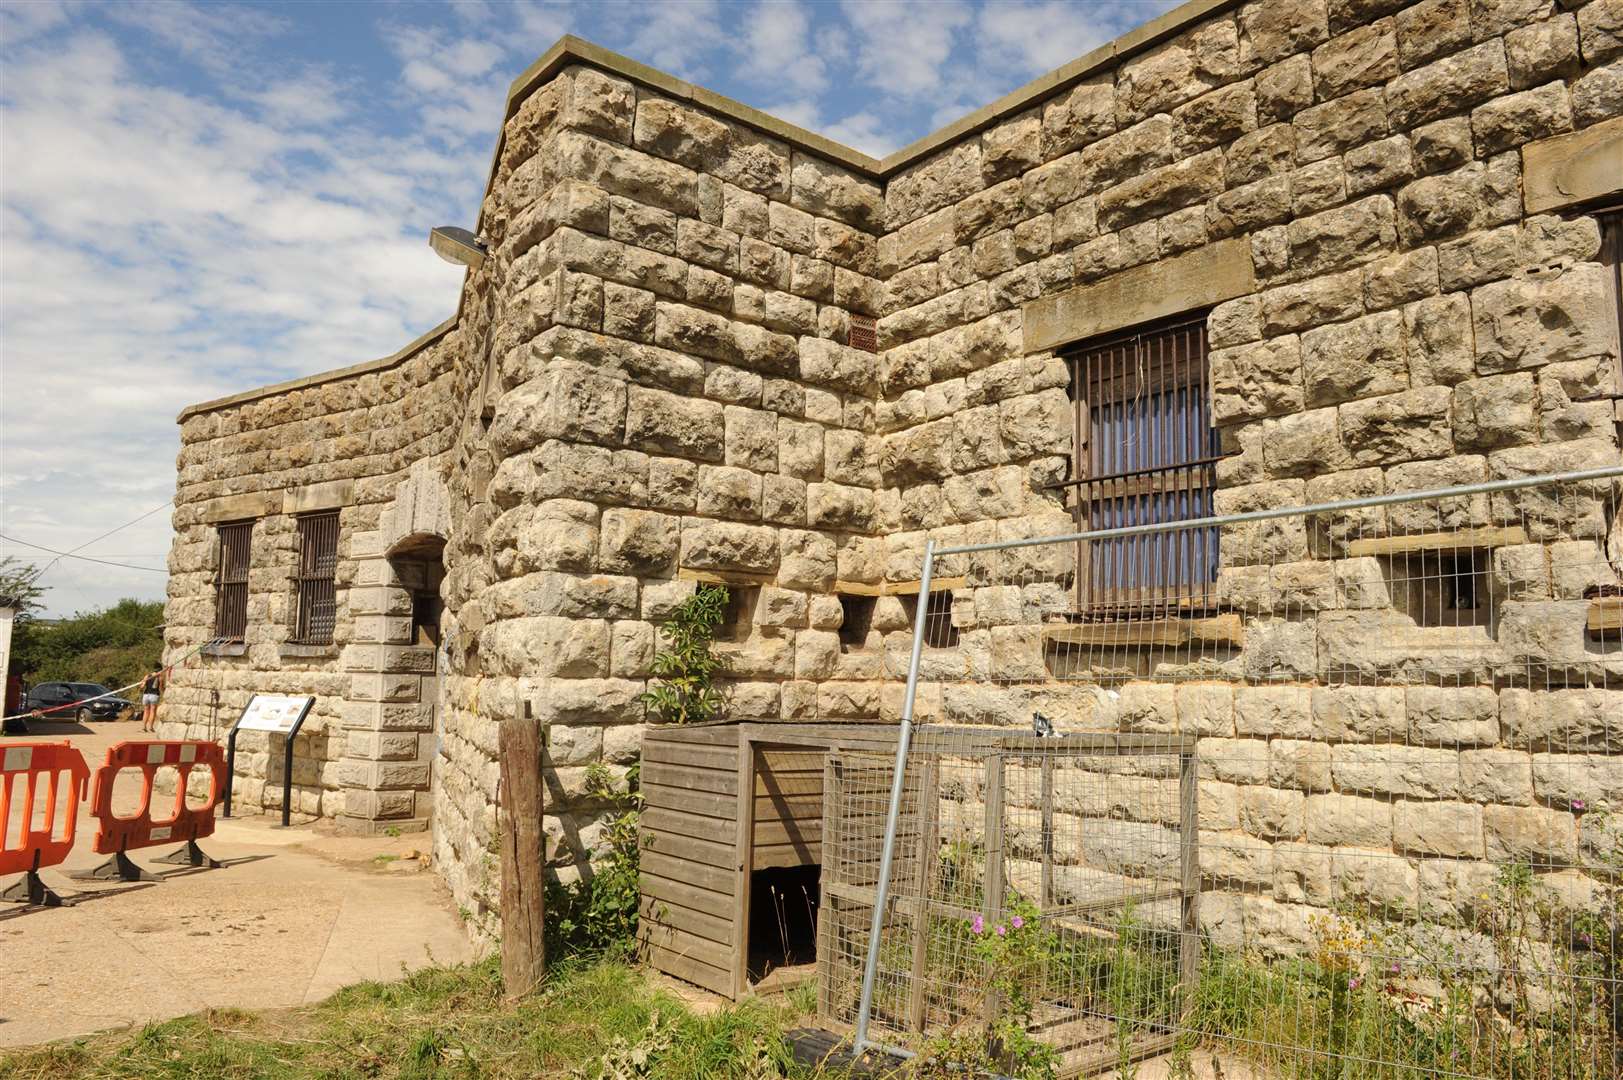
pixel 1145 453
pixel 864 333
pixel 318 558
pixel 231 584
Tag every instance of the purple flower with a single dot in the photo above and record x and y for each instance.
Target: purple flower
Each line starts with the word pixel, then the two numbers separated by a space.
pixel 1017 922
pixel 1000 931
pixel 1578 806
pixel 1396 968
pixel 977 925
pixel 1354 982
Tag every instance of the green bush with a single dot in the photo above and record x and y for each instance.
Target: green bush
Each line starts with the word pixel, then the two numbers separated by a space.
pixel 114 646
pixel 684 693
pixel 598 913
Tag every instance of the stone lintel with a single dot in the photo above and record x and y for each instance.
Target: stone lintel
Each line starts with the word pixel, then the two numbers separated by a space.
pixel 1566 170
pixel 1200 278
pixel 312 497
pixel 256 504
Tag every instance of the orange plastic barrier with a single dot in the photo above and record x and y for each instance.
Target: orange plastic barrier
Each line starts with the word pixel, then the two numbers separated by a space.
pixel 24 849
pixel 116 835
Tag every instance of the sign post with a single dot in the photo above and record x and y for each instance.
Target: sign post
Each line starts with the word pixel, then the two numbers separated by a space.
pixel 282 713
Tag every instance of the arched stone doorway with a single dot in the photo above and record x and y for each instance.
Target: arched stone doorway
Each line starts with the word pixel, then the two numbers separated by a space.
pixel 393 663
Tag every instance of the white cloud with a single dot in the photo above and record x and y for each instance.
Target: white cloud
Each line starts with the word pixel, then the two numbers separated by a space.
pixel 196 200
pixel 903 46
pixel 778 47
pixel 866 132
pixel 1033 38
pixel 164 247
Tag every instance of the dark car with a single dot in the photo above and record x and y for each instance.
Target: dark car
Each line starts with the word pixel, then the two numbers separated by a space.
pixel 59 697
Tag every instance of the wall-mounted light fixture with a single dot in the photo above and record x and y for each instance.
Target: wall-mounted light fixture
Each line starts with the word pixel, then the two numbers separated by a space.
pixel 456 245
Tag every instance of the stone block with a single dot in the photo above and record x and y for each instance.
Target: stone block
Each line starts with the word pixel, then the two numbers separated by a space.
pixel 725 545
pixel 665 422
pixel 1357 359
pixel 1530 834
pixel 1349 820
pixel 1273 814
pixel 1453 716
pixel 1439 339
pixel 1335 126
pixel 639 542
pixel 1449 85
pixel 1273 711
pixel 1359 713
pixel 1398 427
pixel 1447 829
pixel 1394 770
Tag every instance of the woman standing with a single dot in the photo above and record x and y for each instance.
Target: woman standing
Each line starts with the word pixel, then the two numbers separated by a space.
pixel 151 687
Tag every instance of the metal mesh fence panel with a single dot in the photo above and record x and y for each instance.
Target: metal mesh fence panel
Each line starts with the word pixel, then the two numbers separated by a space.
pixel 1361 816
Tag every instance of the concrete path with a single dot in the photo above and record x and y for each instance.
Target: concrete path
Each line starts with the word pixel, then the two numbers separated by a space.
pixel 294 915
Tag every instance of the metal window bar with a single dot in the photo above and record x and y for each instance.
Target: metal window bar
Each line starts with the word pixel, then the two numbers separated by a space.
pixel 317 596
pixel 1144 453
pixel 231 584
pixel 1442 668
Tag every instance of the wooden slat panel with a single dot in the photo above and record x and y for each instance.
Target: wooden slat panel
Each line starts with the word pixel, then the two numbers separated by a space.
pixel 659 890
pixel 690 801
pixel 720 758
pixel 666 917
pixel 777 808
pixel 790 760
pixel 692 735
pixel 772 856
pixel 690 969
pixel 703 875
pixel 660 819
pixel 790 783
pixel 699 850
pixel 686 776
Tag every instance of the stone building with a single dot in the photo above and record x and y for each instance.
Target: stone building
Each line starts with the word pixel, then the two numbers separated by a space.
pixel 706 345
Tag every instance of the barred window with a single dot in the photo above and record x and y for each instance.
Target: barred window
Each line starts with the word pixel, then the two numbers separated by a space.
pixel 231 581
pixel 1144 453
pixel 317 598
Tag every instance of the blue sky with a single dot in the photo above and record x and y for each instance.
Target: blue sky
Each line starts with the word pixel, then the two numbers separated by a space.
pixel 197 199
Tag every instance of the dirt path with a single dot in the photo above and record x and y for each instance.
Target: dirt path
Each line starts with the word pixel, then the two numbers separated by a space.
pixel 294 915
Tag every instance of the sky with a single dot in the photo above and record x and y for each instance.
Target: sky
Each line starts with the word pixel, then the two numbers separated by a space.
pixel 197 199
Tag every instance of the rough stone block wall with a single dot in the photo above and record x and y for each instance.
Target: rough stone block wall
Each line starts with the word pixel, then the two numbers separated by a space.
pixel 342 443
pixel 652 384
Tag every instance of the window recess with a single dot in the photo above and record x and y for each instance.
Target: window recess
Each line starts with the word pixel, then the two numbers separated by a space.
pixel 1144 453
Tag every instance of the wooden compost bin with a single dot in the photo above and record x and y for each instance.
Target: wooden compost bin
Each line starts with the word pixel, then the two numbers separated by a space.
pixel 701 845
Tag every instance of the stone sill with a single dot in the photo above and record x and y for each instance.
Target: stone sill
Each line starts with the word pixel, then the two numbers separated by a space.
pixel 294 650
pixel 227 648
pixel 1223 629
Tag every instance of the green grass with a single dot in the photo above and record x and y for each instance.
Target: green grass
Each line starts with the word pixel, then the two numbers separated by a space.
pixel 438 1023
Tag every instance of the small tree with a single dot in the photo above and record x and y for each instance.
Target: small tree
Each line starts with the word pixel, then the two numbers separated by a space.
pixel 684 693
pixel 18 587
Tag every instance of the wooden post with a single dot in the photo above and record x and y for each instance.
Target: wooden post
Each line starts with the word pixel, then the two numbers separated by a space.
pixel 744 842
pixel 523 861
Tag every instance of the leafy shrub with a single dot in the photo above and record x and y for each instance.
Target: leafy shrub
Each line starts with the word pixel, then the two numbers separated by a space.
pixel 598 913
pixel 684 693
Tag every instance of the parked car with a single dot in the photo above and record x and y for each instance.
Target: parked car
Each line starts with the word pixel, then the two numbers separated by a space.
pixel 55 695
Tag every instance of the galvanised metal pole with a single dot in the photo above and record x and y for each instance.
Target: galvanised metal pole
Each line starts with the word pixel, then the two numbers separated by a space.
pixel 870 970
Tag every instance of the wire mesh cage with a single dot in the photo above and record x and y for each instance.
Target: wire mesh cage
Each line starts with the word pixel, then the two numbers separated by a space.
pixel 1042 885
pixel 1401 805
